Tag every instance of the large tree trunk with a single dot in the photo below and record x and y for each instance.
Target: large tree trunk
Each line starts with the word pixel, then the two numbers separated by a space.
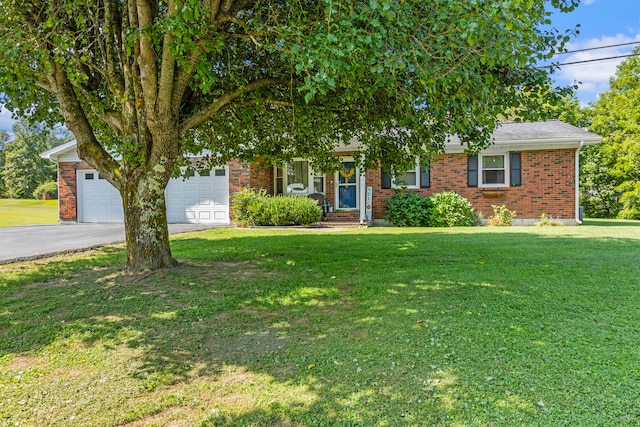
pixel 142 189
pixel 145 219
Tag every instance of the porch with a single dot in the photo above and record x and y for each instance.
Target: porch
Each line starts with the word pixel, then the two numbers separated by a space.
pixel 341 194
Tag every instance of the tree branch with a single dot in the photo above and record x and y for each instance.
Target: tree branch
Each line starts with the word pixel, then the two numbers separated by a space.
pixel 202 116
pixel 147 61
pixel 167 73
pixel 89 149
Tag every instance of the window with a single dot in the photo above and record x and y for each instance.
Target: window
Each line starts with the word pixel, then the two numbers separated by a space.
pixel 297 177
pixel 420 177
pixel 494 170
pixel 408 179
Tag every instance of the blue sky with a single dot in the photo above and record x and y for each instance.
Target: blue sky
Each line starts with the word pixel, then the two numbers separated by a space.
pixel 602 23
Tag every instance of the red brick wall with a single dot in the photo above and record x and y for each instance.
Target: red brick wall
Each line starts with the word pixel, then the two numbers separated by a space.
pixel 548 185
pixel 262 176
pixel 68 189
pixel 239 178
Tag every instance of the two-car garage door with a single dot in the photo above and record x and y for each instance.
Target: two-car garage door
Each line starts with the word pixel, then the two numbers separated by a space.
pixel 202 198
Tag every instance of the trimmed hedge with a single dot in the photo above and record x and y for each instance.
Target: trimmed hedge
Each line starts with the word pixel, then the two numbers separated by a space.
pixel 446 209
pixel 409 210
pixel 258 208
pixel 450 210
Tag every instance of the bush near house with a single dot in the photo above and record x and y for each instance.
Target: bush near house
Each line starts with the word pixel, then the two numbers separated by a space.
pixel 251 207
pixel 46 191
pixel 446 209
pixel 409 210
pixel 502 216
pixel 450 210
pixel 546 220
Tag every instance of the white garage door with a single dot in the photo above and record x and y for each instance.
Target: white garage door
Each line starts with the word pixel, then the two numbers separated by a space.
pixel 98 200
pixel 198 199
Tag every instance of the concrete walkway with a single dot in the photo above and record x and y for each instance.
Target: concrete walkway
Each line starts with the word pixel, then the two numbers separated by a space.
pixel 38 241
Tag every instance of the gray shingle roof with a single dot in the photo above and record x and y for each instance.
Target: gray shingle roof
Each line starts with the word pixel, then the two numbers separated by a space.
pixel 552 134
pixel 551 129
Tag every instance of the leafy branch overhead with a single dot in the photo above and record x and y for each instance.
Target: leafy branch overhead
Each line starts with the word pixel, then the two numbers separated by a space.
pixel 269 66
pixel 141 82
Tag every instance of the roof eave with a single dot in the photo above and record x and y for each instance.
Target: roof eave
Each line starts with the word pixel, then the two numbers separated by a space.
pixel 56 152
pixel 528 145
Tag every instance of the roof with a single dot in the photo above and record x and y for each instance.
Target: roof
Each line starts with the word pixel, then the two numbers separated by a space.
pixel 56 152
pixel 551 134
pixel 551 129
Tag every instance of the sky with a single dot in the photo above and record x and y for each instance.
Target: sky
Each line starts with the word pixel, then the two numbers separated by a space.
pixel 602 23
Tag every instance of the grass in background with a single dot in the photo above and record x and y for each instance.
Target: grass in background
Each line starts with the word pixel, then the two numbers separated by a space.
pixel 366 327
pixel 26 212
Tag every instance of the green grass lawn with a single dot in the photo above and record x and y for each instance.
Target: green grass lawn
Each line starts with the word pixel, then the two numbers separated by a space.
pixel 518 326
pixel 27 211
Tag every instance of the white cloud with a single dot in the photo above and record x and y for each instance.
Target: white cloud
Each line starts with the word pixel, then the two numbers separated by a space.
pixel 593 77
pixel 588 2
pixel 6 122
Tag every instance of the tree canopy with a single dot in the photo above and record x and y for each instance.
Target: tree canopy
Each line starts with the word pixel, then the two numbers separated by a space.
pixel 21 167
pixel 616 117
pixel 141 82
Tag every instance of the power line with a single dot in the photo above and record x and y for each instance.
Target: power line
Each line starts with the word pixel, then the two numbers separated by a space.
pixel 597 48
pixel 586 61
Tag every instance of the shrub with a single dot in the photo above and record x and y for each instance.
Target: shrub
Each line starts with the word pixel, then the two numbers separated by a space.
pixel 408 210
pixel 258 208
pixel 293 210
pixel 501 216
pixel 450 210
pixel 447 209
pixel 240 205
pixel 50 189
pixel 546 220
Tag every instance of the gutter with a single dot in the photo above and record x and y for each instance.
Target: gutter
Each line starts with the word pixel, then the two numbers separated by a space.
pixel 362 201
pixel 577 207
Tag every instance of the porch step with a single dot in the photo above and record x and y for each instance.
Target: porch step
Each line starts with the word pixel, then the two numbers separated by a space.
pixel 338 223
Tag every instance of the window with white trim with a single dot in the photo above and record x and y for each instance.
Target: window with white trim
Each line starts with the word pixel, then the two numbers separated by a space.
pixel 297 177
pixel 418 177
pixel 409 179
pixel 493 169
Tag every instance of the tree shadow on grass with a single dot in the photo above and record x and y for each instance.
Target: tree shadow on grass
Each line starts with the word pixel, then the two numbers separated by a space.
pixel 355 329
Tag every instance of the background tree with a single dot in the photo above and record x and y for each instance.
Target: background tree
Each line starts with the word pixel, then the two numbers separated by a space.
pixel 599 195
pixel 4 137
pixel 23 168
pixel 139 82
pixel 616 162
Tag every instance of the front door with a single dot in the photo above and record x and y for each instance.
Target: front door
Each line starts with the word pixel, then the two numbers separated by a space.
pixel 347 191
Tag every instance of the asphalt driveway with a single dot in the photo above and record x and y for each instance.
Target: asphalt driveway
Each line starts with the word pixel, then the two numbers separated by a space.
pixel 37 241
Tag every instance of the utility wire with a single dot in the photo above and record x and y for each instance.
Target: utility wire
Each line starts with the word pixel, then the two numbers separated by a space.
pixel 586 61
pixel 597 48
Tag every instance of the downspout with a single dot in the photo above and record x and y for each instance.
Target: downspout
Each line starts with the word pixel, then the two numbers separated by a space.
pixel 363 193
pixel 577 207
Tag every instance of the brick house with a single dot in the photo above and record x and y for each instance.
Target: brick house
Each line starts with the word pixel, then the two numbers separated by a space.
pixel 531 168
